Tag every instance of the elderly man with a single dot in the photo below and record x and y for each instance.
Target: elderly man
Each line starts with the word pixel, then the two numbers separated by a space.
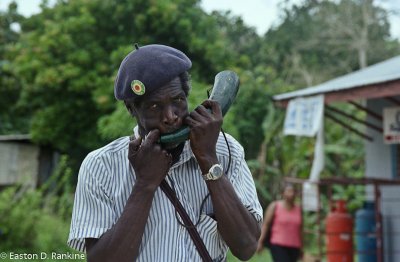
pixel 121 214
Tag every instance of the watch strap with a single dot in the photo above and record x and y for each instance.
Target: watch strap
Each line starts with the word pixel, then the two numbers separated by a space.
pixel 208 176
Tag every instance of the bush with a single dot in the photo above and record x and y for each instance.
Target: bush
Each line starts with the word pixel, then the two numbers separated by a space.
pixel 37 220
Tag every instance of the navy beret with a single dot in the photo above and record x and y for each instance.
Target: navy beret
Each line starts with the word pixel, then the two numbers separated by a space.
pixel 147 68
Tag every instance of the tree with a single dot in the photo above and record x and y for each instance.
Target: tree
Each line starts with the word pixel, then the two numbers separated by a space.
pixel 342 36
pixel 68 55
pixel 359 26
pixel 11 119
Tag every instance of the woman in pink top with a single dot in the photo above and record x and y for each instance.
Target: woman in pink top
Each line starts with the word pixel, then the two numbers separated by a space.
pixel 285 216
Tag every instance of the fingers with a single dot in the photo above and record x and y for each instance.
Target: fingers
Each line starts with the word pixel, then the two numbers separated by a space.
pixel 169 156
pixel 135 143
pixel 194 119
pixel 152 137
pixel 214 106
pixel 200 114
pixel 189 121
pixel 202 110
pixel 208 110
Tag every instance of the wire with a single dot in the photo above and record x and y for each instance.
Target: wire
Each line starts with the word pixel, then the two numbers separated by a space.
pixel 229 152
pixel 175 206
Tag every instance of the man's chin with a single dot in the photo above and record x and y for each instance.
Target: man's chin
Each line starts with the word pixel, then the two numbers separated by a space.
pixel 170 146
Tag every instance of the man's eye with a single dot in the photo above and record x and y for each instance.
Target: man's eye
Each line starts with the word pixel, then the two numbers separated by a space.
pixel 179 99
pixel 153 106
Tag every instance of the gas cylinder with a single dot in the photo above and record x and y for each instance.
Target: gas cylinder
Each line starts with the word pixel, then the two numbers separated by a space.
pixel 366 233
pixel 339 234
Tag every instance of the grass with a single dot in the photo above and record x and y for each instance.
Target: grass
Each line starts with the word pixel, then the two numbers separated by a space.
pixel 262 257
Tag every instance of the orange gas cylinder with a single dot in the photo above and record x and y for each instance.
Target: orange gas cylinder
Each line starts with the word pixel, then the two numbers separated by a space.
pixel 339 234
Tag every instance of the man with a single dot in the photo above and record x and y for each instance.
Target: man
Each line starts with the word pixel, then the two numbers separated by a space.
pixel 121 214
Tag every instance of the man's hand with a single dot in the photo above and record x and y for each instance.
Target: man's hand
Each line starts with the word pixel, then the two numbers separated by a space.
pixel 204 132
pixel 122 241
pixel 150 162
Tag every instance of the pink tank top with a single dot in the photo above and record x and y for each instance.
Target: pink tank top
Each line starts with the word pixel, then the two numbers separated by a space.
pixel 286 228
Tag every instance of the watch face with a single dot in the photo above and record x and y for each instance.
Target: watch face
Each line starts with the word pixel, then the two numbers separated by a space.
pixel 216 171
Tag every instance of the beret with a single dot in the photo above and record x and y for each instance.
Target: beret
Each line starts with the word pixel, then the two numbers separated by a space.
pixel 148 68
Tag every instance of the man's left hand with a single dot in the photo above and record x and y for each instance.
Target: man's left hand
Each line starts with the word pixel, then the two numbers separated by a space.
pixel 204 131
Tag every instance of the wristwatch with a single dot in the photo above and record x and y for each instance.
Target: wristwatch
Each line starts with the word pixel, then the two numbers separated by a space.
pixel 215 172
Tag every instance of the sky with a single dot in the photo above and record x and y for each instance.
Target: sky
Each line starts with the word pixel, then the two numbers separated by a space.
pixel 260 14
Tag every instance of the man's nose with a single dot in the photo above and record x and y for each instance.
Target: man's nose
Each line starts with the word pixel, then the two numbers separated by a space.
pixel 170 117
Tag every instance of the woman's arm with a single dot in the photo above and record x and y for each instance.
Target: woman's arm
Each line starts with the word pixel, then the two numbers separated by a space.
pixel 268 216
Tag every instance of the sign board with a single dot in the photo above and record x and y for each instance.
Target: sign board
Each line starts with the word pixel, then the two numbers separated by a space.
pixel 303 116
pixel 391 125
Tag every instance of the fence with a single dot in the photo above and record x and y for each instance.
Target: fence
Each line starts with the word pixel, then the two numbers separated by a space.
pixel 387 222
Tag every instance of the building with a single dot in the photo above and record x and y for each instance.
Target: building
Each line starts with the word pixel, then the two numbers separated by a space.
pixel 22 162
pixel 374 90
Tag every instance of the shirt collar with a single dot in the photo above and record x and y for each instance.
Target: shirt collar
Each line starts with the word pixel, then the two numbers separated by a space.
pixel 136 131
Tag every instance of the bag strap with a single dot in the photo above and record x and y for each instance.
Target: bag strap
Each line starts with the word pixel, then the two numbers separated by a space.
pixel 198 242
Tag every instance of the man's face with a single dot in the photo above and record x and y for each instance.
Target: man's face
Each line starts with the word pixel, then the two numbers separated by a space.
pixel 164 110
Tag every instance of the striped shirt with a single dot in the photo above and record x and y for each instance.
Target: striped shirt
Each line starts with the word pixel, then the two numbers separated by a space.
pixel 105 182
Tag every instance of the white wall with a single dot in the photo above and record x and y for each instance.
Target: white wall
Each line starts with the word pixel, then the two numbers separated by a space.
pixel 378 155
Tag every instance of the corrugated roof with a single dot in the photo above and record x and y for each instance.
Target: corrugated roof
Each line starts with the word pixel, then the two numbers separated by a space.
pixel 385 71
pixel 15 137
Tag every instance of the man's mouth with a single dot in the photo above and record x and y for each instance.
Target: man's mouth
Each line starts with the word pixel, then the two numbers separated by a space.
pixel 169 131
pixel 173 137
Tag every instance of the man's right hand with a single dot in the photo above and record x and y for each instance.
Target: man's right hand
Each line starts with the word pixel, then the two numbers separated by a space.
pixel 150 162
pixel 122 241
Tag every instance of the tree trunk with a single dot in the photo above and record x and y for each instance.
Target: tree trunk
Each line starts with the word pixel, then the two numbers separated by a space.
pixel 262 159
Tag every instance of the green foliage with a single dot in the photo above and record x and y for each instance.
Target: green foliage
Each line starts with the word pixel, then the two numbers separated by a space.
pixel 249 110
pixel 37 220
pixel 318 40
pixel 118 123
pixel 54 60
pixel 352 194
pixel 67 57
pixel 12 120
pixel 293 156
